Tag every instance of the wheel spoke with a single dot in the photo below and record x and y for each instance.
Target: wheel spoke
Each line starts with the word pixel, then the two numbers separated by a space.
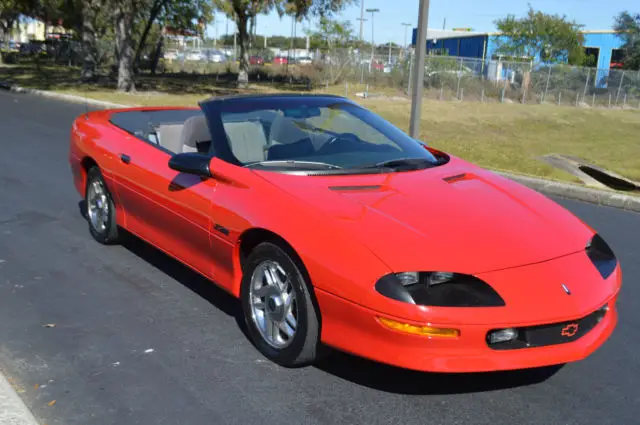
pixel 288 301
pixel 270 276
pixel 287 329
pixel 291 320
pixel 261 292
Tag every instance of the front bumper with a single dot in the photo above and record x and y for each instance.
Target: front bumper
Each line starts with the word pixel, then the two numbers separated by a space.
pixel 353 328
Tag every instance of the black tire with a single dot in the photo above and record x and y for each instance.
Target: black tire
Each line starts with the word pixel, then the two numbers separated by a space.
pixel 109 235
pixel 303 349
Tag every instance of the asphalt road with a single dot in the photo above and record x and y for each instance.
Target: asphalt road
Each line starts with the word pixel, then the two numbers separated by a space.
pixel 110 305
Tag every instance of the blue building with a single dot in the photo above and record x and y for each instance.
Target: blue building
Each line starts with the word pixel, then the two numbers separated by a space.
pixel 604 46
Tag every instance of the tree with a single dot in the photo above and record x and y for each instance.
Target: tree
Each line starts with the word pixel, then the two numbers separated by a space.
pixel 539 36
pixel 629 27
pixel 241 11
pixel 90 16
pixel 123 18
pixel 331 33
pixel 190 15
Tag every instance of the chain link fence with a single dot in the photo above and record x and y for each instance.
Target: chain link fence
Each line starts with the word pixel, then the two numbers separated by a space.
pixel 384 71
pixel 445 78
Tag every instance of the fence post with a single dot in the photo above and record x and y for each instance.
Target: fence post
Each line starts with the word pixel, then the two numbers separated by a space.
pixel 441 92
pixel 620 87
pixel 546 90
pixel 461 95
pixel 593 101
pixel 482 96
pixel 502 96
pixel 559 98
pixel 459 77
pixel 410 68
pixel 577 99
pixel 524 94
pixel 346 89
pixel 625 101
pixel 586 84
pixel 610 96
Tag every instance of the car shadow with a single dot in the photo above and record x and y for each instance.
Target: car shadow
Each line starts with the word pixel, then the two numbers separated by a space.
pixel 192 280
pixel 350 368
pixel 395 380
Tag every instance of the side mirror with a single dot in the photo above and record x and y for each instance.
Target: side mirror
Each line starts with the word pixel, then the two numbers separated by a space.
pixel 191 163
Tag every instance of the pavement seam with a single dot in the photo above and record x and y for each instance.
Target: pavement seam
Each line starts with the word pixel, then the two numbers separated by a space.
pixel 547 187
pixel 13 411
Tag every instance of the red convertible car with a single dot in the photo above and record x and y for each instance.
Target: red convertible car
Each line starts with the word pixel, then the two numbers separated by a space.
pixel 334 227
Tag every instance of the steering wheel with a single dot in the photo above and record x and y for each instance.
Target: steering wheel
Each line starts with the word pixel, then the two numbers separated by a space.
pixel 343 137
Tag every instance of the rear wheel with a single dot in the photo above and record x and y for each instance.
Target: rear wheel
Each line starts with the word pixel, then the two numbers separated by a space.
pixel 100 209
pixel 280 315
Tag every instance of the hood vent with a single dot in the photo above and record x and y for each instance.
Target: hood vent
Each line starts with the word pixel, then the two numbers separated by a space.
pixel 355 188
pixel 459 177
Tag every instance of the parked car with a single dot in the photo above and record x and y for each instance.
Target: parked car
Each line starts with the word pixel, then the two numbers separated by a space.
pixel 332 226
pixel 280 60
pixel 256 60
pixel 215 56
pixel 171 54
pixel 304 60
pixel 194 55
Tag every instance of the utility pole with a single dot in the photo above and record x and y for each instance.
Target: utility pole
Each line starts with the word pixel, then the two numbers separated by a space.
pixel 418 69
pixel 373 46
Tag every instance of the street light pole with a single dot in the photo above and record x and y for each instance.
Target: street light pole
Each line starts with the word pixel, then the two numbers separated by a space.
pixel 361 19
pixel 406 27
pixel 373 46
pixel 418 69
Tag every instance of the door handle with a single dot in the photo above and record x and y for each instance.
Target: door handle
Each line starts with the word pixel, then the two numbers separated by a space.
pixel 125 158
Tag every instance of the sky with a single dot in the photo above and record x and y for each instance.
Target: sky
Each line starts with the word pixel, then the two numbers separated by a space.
pixel 477 14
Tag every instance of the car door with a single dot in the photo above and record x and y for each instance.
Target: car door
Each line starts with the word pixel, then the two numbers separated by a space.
pixel 165 207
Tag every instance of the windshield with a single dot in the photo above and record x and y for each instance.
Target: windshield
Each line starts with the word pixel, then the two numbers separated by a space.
pixel 310 135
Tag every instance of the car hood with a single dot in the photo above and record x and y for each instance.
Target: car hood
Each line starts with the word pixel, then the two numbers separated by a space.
pixel 456 217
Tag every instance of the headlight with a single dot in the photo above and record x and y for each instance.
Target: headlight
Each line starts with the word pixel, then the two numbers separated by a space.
pixel 602 256
pixel 438 289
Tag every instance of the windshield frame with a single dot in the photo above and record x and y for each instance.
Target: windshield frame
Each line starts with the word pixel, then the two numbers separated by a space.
pixel 214 110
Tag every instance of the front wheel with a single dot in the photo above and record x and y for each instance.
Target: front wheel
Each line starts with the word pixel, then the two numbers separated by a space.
pixel 280 315
pixel 100 209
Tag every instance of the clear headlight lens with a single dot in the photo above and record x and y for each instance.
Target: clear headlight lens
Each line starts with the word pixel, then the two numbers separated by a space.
pixel 432 278
pixel 437 278
pixel 408 278
pixel 438 289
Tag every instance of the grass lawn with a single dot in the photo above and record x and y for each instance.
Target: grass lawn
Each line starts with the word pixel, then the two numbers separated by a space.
pixel 509 137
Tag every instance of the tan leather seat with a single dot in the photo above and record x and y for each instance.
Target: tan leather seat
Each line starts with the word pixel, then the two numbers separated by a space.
pixel 194 131
pixel 246 140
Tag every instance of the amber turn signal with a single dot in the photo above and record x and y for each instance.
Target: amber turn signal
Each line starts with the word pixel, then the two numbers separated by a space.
pixel 428 331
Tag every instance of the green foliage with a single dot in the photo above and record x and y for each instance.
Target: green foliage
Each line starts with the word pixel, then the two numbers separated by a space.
pixel 629 27
pixel 331 33
pixel 550 38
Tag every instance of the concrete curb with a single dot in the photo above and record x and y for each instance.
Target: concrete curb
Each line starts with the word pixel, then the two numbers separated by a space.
pixel 13 411
pixel 61 96
pixel 580 193
pixel 548 187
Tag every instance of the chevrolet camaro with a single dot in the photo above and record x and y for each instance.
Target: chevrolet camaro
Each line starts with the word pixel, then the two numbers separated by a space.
pixel 333 227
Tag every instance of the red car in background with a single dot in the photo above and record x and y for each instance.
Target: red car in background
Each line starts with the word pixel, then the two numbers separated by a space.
pixel 256 60
pixel 332 226
pixel 280 60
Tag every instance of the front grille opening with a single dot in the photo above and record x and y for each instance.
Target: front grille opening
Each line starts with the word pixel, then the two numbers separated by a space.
pixel 552 334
